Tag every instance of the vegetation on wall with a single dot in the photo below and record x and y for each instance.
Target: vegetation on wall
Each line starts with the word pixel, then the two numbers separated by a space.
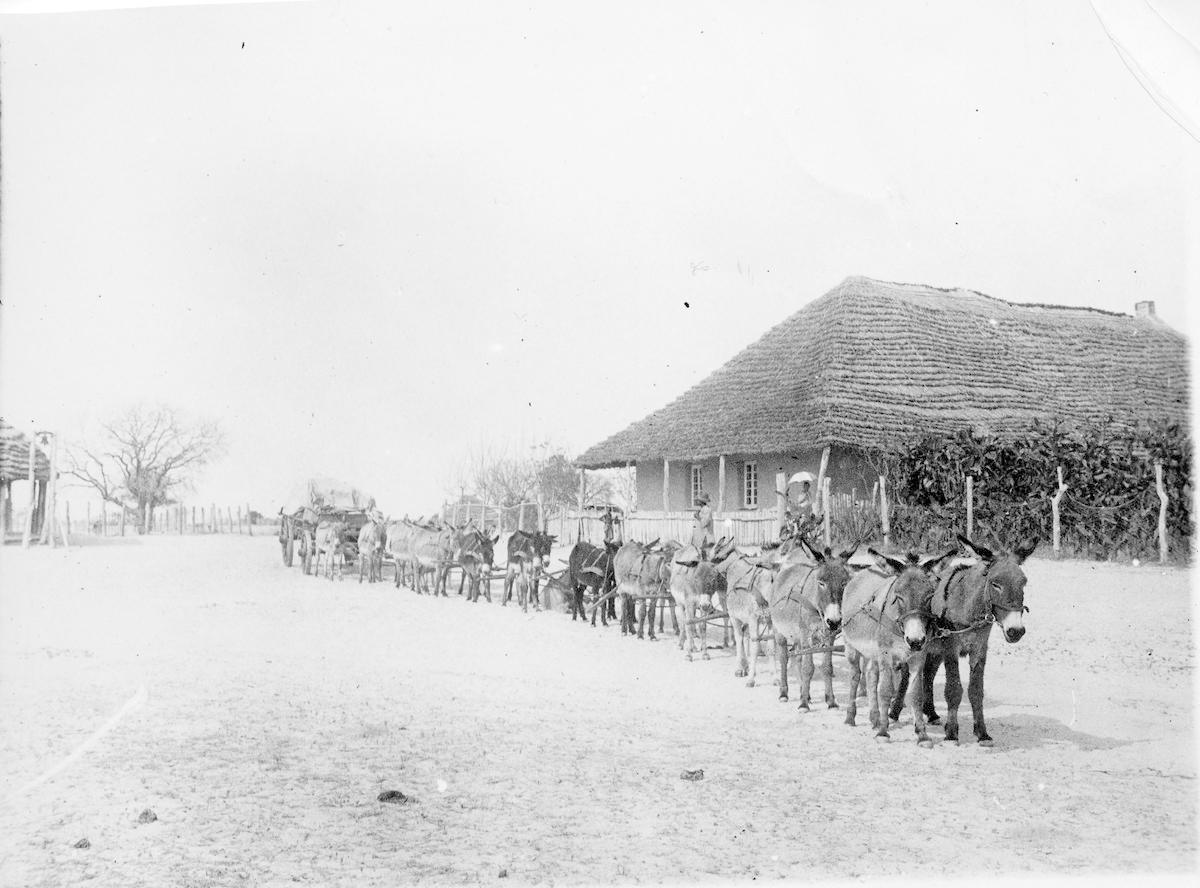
pixel 1110 508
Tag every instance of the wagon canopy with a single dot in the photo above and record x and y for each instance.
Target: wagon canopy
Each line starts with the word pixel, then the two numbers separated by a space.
pixel 327 492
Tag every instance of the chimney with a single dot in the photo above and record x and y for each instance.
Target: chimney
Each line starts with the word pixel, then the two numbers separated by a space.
pixel 1144 309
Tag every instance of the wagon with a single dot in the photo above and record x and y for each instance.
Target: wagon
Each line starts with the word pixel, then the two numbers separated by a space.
pixel 298 531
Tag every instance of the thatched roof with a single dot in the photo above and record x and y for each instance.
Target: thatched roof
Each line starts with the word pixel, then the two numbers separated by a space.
pixel 872 363
pixel 14 456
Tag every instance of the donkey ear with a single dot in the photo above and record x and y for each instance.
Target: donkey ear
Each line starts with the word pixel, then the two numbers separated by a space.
pixel 980 551
pixel 1023 552
pixel 931 563
pixel 894 563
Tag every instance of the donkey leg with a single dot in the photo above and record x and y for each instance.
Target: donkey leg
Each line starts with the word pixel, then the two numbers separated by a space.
pixel 954 694
pixel 901 693
pixel 918 703
pixel 933 660
pixel 854 662
pixel 885 689
pixel 750 651
pixel 978 661
pixel 781 653
pixel 806 673
pixel 827 670
pixel 741 668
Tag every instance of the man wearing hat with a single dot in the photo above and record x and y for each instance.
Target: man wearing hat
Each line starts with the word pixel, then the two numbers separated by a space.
pixel 702 533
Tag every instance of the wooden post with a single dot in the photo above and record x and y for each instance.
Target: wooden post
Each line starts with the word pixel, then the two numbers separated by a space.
pixel 970 508
pixel 194 518
pixel 103 518
pixel 521 516
pixel 88 515
pixel 883 511
pixel 229 519
pixel 666 486
pixel 1162 512
pixel 147 514
pixel 249 522
pixel 541 514
pixel 203 520
pixel 50 508
pixel 827 510
pixel 1054 509
pixel 68 517
pixel 780 503
pixel 874 490
pixel 123 511
pixel 212 514
pixel 239 517
pixel 720 485
pixel 821 472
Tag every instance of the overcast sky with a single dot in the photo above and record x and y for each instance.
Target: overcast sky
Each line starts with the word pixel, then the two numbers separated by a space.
pixel 367 237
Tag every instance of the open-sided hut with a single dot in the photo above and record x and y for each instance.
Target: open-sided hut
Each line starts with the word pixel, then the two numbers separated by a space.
pixel 872 363
pixel 14 466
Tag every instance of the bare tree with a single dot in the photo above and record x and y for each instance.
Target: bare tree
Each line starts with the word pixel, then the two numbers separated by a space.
pixel 144 456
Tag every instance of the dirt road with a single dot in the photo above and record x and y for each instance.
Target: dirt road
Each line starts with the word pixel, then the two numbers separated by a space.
pixel 259 713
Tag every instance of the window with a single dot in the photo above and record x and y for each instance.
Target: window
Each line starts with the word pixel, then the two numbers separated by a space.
pixel 697 483
pixel 750 485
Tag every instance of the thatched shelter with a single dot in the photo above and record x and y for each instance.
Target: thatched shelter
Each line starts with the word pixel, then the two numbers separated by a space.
pixel 871 363
pixel 14 466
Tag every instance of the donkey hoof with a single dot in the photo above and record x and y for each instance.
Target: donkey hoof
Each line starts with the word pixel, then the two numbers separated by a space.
pixel 833 704
pixel 705 656
pixel 883 737
pixel 750 683
pixel 803 707
pixel 987 741
pixel 783 697
pixel 850 721
pixel 933 718
pixel 924 743
pixel 739 673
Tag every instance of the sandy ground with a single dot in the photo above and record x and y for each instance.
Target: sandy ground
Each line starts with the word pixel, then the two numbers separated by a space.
pixel 259 713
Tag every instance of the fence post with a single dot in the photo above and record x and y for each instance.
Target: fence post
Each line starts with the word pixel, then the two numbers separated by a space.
pixel 194 518
pixel 1162 512
pixel 1054 508
pixel 720 489
pixel 229 519
pixel 970 508
pixel 249 522
pixel 827 509
pixel 780 503
pixel 521 516
pixel 666 486
pixel 883 511
pixel 68 508
pixel 88 515
pixel 103 518
pixel 239 530
pixel 212 516
pixel 123 511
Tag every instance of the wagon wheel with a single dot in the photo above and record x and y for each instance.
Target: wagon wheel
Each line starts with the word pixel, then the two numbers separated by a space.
pixel 289 550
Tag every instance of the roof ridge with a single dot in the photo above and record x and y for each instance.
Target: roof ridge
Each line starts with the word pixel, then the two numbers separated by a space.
pixel 953 290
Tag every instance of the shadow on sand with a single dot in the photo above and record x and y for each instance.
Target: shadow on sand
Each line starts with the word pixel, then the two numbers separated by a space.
pixel 1022 731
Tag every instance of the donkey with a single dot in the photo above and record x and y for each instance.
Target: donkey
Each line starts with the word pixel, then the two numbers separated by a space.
pixel 528 556
pixel 475 551
pixel 968 600
pixel 886 623
pixel 635 571
pixel 656 580
pixel 806 611
pixel 329 544
pixel 371 539
pixel 693 585
pixel 591 567
pixel 747 601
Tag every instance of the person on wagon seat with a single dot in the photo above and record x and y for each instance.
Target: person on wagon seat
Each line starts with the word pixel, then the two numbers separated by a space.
pixel 702 533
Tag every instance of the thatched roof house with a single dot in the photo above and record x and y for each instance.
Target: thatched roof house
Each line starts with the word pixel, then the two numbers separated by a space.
pixel 14 457
pixel 871 363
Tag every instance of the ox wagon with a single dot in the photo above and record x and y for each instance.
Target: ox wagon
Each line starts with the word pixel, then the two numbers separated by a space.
pixel 298 531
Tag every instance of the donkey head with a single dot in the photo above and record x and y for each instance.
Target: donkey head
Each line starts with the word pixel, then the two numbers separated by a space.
pixel 832 576
pixel 1003 587
pixel 912 594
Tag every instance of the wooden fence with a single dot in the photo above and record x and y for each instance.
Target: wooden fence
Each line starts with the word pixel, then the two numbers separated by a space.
pixel 109 520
